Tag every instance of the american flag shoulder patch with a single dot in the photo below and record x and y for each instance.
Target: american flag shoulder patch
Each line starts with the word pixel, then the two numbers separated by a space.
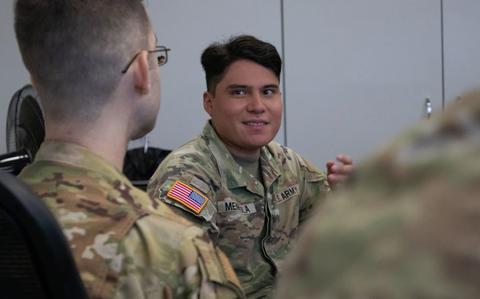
pixel 187 196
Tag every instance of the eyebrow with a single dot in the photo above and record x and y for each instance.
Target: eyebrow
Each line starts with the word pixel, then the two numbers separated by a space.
pixel 232 86
pixel 271 86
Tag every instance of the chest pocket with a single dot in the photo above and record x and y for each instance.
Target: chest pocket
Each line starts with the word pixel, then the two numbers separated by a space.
pixel 284 220
pixel 240 218
pixel 241 221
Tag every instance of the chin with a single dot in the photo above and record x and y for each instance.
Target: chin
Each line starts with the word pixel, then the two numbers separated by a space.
pixel 266 139
pixel 142 131
pixel 260 143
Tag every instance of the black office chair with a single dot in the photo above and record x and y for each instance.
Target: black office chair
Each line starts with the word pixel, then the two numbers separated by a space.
pixel 140 164
pixel 25 130
pixel 35 258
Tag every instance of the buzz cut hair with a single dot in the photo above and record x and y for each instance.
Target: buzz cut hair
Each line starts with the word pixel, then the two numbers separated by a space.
pixel 75 50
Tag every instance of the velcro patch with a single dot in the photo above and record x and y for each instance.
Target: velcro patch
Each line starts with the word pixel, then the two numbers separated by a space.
pixel 188 196
pixel 286 194
pixel 228 205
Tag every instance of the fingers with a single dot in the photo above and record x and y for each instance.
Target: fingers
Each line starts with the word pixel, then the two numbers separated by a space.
pixel 329 165
pixel 344 168
pixel 345 159
pixel 341 169
pixel 335 179
pixel 338 173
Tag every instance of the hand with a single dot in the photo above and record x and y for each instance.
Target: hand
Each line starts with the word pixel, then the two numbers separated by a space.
pixel 339 172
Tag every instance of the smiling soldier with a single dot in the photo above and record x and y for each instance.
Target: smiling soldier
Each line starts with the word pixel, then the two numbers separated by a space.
pixel 250 193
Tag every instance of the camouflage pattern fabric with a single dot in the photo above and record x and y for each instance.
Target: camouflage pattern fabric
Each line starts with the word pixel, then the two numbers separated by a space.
pixel 125 244
pixel 255 223
pixel 409 227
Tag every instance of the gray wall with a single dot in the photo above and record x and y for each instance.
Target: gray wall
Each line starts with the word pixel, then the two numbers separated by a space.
pixel 356 72
pixel 12 72
pixel 462 46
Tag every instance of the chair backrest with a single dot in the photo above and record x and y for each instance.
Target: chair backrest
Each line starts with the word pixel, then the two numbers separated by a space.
pixel 35 257
pixel 140 164
pixel 14 162
pixel 25 121
pixel 25 130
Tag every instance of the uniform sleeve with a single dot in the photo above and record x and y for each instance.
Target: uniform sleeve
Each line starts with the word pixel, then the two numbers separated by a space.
pixel 315 188
pixel 216 275
pixel 188 187
pixel 173 262
pixel 148 260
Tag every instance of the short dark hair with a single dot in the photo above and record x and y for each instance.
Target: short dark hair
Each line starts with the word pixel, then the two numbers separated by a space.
pixel 219 56
pixel 75 49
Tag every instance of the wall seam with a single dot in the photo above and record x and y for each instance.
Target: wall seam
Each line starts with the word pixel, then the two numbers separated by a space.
pixel 284 88
pixel 442 47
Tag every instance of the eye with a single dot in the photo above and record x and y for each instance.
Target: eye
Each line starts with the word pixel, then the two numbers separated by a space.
pixel 238 91
pixel 269 91
pixel 161 59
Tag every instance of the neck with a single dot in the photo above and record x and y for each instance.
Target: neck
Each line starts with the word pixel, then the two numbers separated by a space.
pixel 250 156
pixel 105 140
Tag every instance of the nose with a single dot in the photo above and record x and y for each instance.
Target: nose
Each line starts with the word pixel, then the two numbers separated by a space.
pixel 256 104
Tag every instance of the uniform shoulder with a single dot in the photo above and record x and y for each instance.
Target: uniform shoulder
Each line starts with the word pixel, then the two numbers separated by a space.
pixel 195 146
pixel 281 152
pixel 404 233
pixel 195 154
pixel 192 160
pixel 79 197
pixel 286 155
pixel 166 214
pixel 172 228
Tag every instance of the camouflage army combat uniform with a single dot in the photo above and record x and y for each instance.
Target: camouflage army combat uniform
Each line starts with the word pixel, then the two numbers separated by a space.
pixel 253 222
pixel 409 227
pixel 125 245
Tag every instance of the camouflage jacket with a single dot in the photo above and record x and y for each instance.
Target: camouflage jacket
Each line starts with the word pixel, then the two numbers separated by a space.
pixel 125 244
pixel 254 223
pixel 408 227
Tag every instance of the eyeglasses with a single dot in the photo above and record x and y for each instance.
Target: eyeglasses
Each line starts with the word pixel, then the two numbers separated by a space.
pixel 160 51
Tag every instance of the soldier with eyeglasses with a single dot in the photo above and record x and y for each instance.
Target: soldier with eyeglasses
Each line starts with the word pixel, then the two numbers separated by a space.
pixel 94 65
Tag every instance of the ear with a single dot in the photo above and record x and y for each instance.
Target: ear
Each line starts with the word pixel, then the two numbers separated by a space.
pixel 208 102
pixel 142 73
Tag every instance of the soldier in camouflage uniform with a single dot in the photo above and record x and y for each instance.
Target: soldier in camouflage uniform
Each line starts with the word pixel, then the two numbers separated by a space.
pixel 95 98
pixel 412 230
pixel 253 194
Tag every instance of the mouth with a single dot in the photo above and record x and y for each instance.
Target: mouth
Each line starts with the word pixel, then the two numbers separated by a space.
pixel 255 123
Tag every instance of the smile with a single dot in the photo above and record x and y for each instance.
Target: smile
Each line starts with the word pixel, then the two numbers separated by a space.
pixel 255 123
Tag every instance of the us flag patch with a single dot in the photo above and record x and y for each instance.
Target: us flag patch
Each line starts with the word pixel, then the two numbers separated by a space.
pixel 187 196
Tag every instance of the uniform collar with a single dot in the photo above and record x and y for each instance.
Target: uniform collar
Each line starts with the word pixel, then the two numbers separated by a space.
pixel 233 175
pixel 77 156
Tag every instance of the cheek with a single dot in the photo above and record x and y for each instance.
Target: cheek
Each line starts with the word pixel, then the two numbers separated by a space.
pixel 222 117
pixel 277 110
pixel 229 111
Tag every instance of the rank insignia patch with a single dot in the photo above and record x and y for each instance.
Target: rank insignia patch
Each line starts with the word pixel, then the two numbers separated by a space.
pixel 187 196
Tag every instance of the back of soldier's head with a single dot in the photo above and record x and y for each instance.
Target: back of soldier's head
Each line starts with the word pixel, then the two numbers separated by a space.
pixel 75 50
pixel 408 226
